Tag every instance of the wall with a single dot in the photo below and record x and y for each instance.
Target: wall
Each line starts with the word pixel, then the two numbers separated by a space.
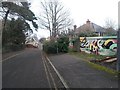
pixel 106 45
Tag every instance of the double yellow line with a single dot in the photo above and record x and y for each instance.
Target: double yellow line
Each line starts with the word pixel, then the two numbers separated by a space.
pixel 45 60
pixel 49 74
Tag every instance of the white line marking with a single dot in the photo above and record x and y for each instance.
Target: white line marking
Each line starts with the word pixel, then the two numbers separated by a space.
pixel 10 57
pixel 51 76
pixel 61 78
pixel 46 74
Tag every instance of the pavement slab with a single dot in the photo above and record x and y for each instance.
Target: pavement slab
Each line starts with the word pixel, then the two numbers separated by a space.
pixel 79 74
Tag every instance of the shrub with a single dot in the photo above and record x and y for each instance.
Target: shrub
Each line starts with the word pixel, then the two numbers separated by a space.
pixel 16 47
pixel 61 45
pixel 50 47
pixel 12 47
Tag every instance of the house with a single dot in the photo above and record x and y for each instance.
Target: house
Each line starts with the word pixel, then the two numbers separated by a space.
pixel 90 27
pixel 31 42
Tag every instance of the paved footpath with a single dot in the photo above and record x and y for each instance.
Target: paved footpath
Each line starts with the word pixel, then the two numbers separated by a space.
pixel 78 74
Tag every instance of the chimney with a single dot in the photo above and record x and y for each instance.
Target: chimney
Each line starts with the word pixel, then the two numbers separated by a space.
pixel 75 27
pixel 88 22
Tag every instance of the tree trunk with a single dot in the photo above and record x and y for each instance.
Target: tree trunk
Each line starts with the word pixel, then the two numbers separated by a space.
pixel 5 19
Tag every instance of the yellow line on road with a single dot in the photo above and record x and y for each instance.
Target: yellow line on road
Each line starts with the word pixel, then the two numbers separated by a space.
pixel 61 78
pixel 51 76
pixel 46 74
pixel 46 70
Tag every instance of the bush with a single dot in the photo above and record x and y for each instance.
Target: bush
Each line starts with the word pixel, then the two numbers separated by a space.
pixel 12 47
pixel 52 46
pixel 16 47
pixel 76 44
pixel 63 44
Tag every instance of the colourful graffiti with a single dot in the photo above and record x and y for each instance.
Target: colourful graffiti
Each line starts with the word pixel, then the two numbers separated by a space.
pixel 106 45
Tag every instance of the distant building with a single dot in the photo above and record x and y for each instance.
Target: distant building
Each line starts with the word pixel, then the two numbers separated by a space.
pixel 42 40
pixel 90 27
pixel 31 42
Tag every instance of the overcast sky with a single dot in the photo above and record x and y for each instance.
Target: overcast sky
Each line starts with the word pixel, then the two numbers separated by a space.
pixel 97 11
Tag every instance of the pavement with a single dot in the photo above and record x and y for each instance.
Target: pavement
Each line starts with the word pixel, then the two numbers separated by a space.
pixel 79 74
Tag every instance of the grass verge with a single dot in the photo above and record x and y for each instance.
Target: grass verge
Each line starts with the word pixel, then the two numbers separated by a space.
pixel 87 57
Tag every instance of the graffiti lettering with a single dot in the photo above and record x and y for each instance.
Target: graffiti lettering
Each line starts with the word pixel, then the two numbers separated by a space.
pixel 98 45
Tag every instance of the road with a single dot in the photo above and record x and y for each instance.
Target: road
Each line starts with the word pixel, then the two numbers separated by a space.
pixel 25 70
pixel 30 69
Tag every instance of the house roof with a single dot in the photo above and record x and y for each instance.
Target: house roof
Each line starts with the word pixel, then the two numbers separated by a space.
pixel 89 26
pixel 98 28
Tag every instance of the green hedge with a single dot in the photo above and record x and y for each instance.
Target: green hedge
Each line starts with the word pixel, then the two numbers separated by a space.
pixel 12 47
pixel 50 47
pixel 60 46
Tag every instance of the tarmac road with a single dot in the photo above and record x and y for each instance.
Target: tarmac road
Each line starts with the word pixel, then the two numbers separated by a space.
pixel 25 70
pixel 30 69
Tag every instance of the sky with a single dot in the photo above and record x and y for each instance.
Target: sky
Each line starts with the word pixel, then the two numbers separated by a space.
pixel 97 11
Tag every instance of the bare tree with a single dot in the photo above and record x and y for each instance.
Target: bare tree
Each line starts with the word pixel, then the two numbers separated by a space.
pixel 109 23
pixel 110 26
pixel 54 17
